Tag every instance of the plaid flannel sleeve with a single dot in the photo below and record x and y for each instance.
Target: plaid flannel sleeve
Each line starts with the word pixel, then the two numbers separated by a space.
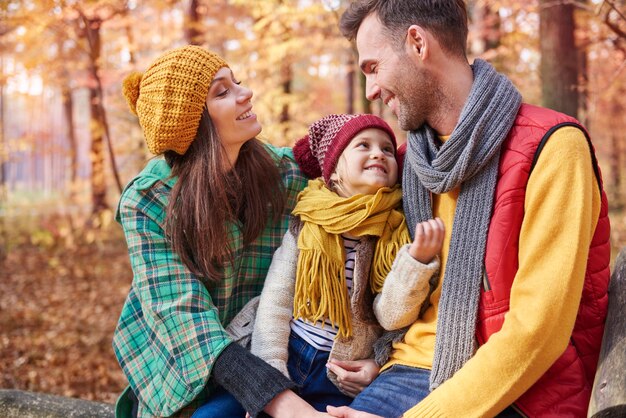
pixel 169 333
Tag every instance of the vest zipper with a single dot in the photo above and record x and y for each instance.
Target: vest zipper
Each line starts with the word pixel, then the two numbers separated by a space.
pixel 486 284
pixel 519 411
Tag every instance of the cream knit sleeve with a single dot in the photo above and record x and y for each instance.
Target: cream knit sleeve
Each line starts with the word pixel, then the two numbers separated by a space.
pixel 270 338
pixel 405 290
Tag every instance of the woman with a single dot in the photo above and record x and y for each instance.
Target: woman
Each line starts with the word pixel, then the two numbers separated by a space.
pixel 201 227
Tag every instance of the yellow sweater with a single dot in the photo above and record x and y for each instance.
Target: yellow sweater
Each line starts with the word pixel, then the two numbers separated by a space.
pixel 561 211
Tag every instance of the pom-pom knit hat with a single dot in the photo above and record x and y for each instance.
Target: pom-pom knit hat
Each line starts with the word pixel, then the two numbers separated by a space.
pixel 170 96
pixel 318 152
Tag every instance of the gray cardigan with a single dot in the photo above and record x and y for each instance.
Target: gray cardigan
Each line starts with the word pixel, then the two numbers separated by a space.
pixel 398 305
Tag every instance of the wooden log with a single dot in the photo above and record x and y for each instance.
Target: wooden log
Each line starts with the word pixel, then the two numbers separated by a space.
pixel 23 404
pixel 608 398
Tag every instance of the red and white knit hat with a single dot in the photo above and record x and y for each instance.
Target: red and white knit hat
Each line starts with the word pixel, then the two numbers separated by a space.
pixel 318 152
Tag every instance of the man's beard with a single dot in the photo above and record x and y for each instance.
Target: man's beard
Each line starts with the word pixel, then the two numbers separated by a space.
pixel 416 98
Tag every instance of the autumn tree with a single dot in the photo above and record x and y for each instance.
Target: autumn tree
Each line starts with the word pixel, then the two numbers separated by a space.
pixel 298 63
pixel 484 29
pixel 194 27
pixel 69 35
pixel 87 24
pixel 3 198
pixel 64 79
pixel 610 95
pixel 559 56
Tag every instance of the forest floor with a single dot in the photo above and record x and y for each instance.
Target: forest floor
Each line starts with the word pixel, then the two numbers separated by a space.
pixel 61 292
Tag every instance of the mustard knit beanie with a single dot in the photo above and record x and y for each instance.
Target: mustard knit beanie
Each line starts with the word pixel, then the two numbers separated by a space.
pixel 169 97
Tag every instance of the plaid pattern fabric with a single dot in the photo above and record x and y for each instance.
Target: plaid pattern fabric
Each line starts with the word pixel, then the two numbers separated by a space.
pixel 171 328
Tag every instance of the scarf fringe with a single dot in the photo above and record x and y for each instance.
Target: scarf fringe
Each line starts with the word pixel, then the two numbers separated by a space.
pixel 317 299
pixel 321 291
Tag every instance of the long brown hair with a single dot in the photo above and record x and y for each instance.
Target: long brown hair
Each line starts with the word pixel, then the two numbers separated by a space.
pixel 209 197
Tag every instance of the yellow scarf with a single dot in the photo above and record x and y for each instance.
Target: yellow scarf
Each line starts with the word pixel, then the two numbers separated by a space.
pixel 321 290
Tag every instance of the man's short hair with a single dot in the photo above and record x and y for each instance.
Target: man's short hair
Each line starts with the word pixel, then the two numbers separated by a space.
pixel 446 20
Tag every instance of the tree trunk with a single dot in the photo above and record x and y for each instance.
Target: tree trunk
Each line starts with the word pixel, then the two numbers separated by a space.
pixel 193 26
pixel 2 150
pixel 582 18
pixel 3 179
pixel 559 57
pixel 130 36
pixel 485 25
pixel 286 80
pixel 99 126
pixel 608 398
pixel 583 90
pixel 68 110
pixel 98 177
pixel 491 27
pixel 616 180
pixel 365 103
pixel 350 83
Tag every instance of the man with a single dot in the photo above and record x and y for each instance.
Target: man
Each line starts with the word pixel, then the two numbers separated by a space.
pixel 515 323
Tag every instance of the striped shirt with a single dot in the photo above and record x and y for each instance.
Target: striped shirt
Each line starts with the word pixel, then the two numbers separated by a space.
pixel 321 334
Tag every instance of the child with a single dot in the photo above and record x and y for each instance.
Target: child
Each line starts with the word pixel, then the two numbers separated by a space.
pixel 326 286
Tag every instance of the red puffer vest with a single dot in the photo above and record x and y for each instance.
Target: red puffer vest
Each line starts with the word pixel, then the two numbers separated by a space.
pixel 565 389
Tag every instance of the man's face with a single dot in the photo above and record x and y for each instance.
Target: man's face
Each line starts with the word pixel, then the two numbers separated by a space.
pixel 410 90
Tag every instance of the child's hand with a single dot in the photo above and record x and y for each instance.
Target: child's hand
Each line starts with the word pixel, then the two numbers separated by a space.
pixel 354 376
pixel 428 240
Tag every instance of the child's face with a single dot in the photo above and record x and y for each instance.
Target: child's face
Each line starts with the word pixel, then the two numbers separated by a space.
pixel 367 164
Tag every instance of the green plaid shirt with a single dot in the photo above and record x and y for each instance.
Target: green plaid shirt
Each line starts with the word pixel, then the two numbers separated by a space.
pixel 171 328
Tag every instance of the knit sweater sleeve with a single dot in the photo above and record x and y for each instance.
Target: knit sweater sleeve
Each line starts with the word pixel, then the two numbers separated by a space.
pixel 406 288
pixel 546 292
pixel 253 382
pixel 270 337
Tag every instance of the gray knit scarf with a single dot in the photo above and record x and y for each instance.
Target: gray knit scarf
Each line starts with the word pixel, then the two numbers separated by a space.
pixel 469 158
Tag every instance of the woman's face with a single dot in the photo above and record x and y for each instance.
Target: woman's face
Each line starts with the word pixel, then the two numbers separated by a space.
pixel 228 104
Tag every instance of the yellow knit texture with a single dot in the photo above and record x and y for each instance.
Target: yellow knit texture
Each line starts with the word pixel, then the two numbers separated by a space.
pixel 321 290
pixel 171 95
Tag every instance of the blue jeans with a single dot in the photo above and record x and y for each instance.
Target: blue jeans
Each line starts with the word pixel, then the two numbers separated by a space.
pixel 221 404
pixel 398 389
pixel 394 391
pixel 307 367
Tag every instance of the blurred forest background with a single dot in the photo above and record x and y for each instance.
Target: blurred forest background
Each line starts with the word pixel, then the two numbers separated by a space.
pixel 68 142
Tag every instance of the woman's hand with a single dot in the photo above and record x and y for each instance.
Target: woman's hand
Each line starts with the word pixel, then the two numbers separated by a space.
pixel 347 412
pixel 428 240
pixel 354 376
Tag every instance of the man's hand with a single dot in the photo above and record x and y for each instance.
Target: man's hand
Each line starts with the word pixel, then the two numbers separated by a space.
pixel 428 240
pixel 289 405
pixel 354 376
pixel 347 412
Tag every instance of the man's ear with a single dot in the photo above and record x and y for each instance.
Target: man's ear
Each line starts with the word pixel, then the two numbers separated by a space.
pixel 417 42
